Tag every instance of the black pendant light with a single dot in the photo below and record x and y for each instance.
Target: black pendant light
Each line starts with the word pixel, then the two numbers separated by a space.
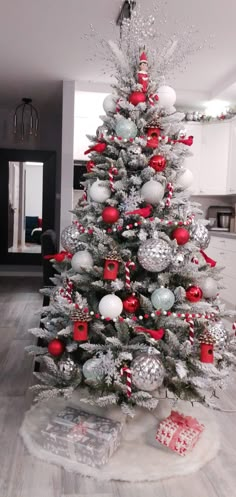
pixel 26 119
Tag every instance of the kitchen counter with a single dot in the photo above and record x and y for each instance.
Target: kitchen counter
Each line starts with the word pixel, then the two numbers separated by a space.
pixel 222 234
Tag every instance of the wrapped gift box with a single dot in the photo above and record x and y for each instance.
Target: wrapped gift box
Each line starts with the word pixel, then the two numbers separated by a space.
pixel 180 433
pixel 81 436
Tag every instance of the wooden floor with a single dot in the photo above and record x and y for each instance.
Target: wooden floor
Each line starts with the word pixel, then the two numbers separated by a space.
pixel 22 475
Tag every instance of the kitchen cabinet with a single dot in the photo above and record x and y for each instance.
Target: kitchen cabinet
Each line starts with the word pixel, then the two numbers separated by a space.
pixel 231 179
pixel 223 251
pixel 210 164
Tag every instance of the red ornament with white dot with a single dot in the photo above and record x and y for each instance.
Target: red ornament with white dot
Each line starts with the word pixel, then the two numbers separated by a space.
pixel 194 294
pixel 157 162
pixel 131 303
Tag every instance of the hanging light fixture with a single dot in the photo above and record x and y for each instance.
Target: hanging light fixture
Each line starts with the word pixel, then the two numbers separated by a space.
pixel 26 119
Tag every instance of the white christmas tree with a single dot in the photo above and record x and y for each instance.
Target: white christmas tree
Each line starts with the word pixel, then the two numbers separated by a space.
pixel 135 314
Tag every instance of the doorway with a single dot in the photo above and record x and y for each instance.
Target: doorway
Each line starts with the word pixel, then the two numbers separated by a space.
pixel 27 203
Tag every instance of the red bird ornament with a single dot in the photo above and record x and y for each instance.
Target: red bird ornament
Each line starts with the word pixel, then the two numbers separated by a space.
pixel 144 211
pixel 99 148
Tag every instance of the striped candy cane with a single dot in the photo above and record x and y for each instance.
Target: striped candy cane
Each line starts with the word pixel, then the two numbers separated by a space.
pixel 127 371
pixel 191 330
pixel 112 171
pixel 170 194
pixel 128 265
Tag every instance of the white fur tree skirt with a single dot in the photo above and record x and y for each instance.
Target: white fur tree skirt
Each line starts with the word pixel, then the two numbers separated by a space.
pixel 139 457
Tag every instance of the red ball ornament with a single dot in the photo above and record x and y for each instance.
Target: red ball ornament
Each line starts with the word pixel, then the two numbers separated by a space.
pixel 158 162
pixel 56 347
pixel 90 165
pixel 181 235
pixel 131 304
pixel 110 215
pixel 137 97
pixel 194 293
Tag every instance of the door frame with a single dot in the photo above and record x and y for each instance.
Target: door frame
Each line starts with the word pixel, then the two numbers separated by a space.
pixel 49 198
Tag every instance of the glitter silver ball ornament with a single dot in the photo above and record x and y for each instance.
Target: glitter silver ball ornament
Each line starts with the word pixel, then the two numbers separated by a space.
pixel 68 369
pixel 219 333
pixel 70 238
pixel 147 372
pixel 199 233
pixel 126 128
pixel 155 255
pixel 93 370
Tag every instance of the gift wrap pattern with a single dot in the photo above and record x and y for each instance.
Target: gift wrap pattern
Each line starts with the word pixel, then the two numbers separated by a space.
pixel 80 436
pixel 179 433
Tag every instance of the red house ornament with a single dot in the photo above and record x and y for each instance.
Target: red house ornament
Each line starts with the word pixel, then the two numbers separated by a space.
pixel 80 320
pixel 206 347
pixel 153 132
pixel 111 266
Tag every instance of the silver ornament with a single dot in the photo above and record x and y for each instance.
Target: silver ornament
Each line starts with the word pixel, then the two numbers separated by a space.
pixel 219 333
pixel 147 372
pixel 70 238
pixel 178 261
pixel 155 255
pixel 199 233
pixel 93 370
pixel 68 370
pixel 101 131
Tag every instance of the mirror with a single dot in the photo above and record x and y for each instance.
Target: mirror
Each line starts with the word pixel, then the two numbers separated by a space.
pixel 25 205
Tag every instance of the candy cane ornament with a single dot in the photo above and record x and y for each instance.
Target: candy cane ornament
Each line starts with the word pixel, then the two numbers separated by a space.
pixel 127 371
pixel 191 330
pixel 170 194
pixel 128 265
pixel 111 173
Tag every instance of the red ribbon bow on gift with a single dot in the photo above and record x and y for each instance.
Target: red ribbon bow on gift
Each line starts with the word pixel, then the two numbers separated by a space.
pixel 186 421
pixel 60 257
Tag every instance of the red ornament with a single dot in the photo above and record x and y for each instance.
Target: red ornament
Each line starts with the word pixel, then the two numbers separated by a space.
pixel 131 304
pixel 156 334
pixel 80 331
pixel 144 211
pixel 137 97
pixel 90 165
pixel 110 215
pixel 56 347
pixel 194 293
pixel 181 235
pixel 158 162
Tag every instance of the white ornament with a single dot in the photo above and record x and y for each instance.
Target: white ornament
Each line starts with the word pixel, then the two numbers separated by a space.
pixel 209 287
pixel 167 96
pixel 185 180
pixel 152 192
pixel 98 192
pixel 109 104
pixel 110 306
pixel 81 260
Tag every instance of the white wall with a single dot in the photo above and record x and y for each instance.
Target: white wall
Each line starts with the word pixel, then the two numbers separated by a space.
pixel 67 163
pixel 88 108
pixel 33 189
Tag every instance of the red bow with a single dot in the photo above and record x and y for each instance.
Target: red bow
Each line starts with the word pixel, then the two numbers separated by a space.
pixel 60 257
pixel 208 259
pixel 187 421
pixel 156 334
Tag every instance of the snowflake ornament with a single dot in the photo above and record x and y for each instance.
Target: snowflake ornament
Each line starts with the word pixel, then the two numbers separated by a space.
pixel 131 200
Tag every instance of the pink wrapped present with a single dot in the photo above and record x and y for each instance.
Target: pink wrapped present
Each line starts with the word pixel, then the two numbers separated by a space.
pixel 178 432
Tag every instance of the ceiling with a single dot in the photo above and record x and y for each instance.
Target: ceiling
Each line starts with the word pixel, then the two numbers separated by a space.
pixel 43 42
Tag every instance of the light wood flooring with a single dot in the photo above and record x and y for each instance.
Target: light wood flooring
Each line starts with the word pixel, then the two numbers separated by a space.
pixel 22 475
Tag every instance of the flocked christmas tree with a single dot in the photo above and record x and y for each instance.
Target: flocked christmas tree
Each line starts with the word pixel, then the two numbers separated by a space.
pixel 135 314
